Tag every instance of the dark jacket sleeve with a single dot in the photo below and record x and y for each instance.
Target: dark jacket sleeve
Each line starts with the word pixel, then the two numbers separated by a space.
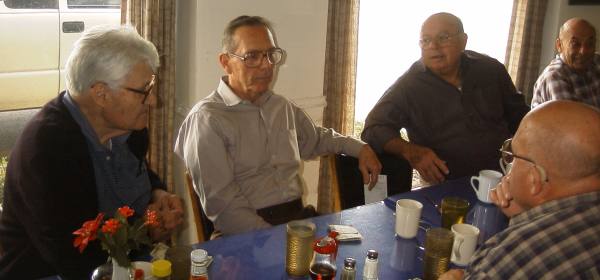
pixel 515 107
pixel 50 193
pixel 386 118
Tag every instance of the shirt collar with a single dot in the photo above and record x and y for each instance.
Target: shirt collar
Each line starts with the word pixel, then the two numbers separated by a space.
pixel 231 99
pixel 86 128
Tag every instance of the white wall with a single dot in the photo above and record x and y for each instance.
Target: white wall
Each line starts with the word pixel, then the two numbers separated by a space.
pixel 300 28
pixel 556 14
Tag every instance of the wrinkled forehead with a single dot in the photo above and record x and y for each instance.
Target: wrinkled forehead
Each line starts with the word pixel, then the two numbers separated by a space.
pixel 439 24
pixel 253 37
pixel 578 30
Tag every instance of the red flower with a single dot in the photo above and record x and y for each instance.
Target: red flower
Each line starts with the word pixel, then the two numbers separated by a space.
pixel 111 226
pixel 126 212
pixel 151 218
pixel 87 233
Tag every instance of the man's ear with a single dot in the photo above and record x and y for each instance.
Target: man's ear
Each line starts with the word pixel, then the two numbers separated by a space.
pixel 558 46
pixel 224 61
pixel 99 94
pixel 536 182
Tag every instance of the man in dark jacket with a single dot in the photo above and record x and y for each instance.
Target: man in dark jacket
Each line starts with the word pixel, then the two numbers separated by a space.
pixel 82 154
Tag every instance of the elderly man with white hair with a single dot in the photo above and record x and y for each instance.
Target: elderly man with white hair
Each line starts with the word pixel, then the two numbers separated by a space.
pixel 82 154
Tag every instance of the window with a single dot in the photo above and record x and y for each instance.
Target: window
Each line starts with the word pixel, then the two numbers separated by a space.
pixel 41 35
pixel 94 4
pixel 389 33
pixel 31 4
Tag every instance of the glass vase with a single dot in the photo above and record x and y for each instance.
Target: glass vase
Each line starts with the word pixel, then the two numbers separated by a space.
pixel 113 271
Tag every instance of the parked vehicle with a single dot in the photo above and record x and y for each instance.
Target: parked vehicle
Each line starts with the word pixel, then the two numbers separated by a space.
pixel 36 37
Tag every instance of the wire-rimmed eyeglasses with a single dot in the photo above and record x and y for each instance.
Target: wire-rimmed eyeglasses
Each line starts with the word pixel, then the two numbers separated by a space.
pixel 508 157
pixel 146 91
pixel 254 58
pixel 443 39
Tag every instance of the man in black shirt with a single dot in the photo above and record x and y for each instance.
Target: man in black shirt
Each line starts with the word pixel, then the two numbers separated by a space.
pixel 457 107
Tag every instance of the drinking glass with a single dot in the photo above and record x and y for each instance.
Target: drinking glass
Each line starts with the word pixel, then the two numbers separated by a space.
pixel 454 210
pixel 438 249
pixel 300 235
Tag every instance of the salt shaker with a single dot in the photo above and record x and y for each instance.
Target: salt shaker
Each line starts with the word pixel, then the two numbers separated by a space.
pixel 349 272
pixel 199 265
pixel 370 270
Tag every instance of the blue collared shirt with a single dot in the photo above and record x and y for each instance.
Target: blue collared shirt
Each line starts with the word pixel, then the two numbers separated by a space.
pixel 120 178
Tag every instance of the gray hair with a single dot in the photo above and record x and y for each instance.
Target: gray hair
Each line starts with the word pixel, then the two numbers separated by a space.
pixel 228 43
pixel 107 54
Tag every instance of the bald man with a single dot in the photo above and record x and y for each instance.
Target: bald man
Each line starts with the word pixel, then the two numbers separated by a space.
pixel 457 107
pixel 552 194
pixel 575 72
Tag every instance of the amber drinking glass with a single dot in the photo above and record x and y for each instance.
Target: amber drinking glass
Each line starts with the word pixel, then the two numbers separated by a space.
pixel 300 235
pixel 454 210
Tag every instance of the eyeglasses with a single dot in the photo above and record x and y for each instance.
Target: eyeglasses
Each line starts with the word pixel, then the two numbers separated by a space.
pixel 443 39
pixel 146 91
pixel 255 58
pixel 508 157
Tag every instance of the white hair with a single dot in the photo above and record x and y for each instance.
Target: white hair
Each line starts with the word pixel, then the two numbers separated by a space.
pixel 107 54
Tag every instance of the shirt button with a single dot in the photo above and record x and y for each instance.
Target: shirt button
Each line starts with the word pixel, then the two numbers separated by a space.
pixel 107 157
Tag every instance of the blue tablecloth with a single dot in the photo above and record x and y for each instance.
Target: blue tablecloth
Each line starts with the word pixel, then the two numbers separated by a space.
pixel 261 254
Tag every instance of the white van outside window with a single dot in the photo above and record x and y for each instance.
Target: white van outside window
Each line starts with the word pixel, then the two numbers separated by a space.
pixel 36 37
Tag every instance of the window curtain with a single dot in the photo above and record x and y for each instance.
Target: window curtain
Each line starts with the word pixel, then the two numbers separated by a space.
pixel 339 89
pixel 525 44
pixel 155 21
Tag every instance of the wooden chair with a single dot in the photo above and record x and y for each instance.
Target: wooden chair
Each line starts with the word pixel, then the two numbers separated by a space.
pixel 204 226
pixel 351 192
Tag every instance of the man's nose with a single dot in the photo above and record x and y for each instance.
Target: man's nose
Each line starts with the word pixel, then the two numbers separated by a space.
pixel 153 99
pixel 264 62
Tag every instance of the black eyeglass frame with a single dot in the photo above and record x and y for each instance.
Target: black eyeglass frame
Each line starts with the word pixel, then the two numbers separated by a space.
pixel 145 92
pixel 508 158
pixel 245 57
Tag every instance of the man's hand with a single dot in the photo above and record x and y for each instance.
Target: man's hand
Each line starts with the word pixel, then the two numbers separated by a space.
pixel 503 199
pixel 170 214
pixel 452 274
pixel 369 166
pixel 424 160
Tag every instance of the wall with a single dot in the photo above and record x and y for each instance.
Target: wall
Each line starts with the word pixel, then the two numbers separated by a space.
pixel 300 28
pixel 556 14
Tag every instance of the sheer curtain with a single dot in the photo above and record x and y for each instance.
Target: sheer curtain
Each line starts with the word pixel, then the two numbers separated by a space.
pixel 525 43
pixel 339 89
pixel 155 21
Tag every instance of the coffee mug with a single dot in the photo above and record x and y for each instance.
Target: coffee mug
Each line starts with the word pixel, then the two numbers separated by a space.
pixel 487 180
pixel 465 241
pixel 408 213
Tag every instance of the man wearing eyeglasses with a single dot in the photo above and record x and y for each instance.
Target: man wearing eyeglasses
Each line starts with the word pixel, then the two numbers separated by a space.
pixel 457 107
pixel 82 154
pixel 575 72
pixel 243 144
pixel 552 196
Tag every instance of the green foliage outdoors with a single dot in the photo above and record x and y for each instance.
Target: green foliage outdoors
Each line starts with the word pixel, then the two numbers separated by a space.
pixel 3 162
pixel 358 128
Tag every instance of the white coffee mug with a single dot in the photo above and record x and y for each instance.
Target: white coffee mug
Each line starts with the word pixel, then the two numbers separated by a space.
pixel 487 180
pixel 465 242
pixel 408 213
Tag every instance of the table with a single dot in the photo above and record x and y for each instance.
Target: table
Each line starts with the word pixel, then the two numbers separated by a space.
pixel 261 254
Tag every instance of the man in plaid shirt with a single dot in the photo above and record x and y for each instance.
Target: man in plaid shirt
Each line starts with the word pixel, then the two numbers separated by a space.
pixel 552 194
pixel 575 72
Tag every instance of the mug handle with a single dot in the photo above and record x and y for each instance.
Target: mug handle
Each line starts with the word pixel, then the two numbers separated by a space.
pixel 457 248
pixel 473 179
